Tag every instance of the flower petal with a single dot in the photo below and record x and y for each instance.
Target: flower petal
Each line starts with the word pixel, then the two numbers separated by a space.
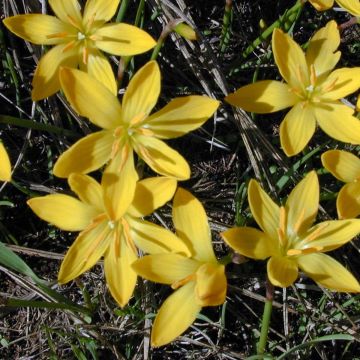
pixel 329 235
pixel 290 60
pixel 327 272
pixel 150 194
pixel 250 242
pixel 302 205
pixel 90 98
pixel 87 189
pixel 46 78
pixel 160 157
pixel 65 212
pixel 102 10
pixel 86 155
pixel 264 210
pixel 265 96
pixel 118 183
pixel 5 165
pixel 38 28
pixel 321 50
pixel 336 120
pixel 142 93
pixel 297 128
pixel 98 67
pixel 123 40
pixel 178 267
pixel 192 225
pixel 282 271
pixel 348 201
pixel 211 284
pixel 175 315
pixel 351 6
pixel 154 239
pixel 67 10
pixel 344 165
pixel 120 276
pixel 340 83
pixel 181 116
pixel 87 249
pixel 322 5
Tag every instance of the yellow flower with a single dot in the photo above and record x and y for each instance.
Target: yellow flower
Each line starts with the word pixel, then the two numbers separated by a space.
pixel 78 38
pixel 313 90
pixel 351 6
pixel 5 166
pixel 345 167
pixel 103 235
pixel 199 280
pixel 290 240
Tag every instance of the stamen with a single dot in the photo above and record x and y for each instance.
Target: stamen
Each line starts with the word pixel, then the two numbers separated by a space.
pixel 299 221
pixel 57 35
pixel 128 238
pixel 124 156
pixel 96 37
pixel 315 234
pixel 114 149
pixel 73 22
pixel 282 226
pixel 330 86
pixel 313 76
pixel 296 92
pixel 182 282
pixel 85 55
pixel 69 46
pixel 307 251
pixel 117 243
pixel 145 132
pixel 299 74
pixel 91 21
pixel 137 119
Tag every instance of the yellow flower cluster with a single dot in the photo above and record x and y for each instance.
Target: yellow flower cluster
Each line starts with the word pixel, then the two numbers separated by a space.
pixel 109 215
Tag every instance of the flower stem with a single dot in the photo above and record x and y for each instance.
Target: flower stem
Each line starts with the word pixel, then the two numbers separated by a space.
pixel 265 323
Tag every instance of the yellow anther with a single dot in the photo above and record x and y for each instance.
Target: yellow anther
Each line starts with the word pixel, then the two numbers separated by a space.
pixel 114 149
pixel 315 234
pixel 299 221
pixel 137 119
pixel 91 21
pixel 57 35
pixel 85 54
pixel 69 46
pixel 307 251
pixel 182 282
pixel 313 76
pixel 73 22
pixel 144 131
pixel 330 86
pixel 127 235
pixel 282 226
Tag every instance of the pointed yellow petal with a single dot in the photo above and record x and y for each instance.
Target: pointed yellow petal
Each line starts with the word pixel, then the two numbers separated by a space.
pixel 263 97
pixel 86 155
pixel 181 116
pixel 67 10
pixel 330 234
pixel 336 120
pixel 250 242
pixel 328 272
pixel 340 83
pixel 321 51
pixel 87 249
pixel 123 40
pixel 297 128
pixel 160 157
pixel 118 183
pixel 264 210
pixel 302 204
pixel 177 267
pixel 154 239
pixel 5 165
pixel 322 5
pixel 120 276
pixel 211 284
pixel 99 68
pixel 38 28
pixel 87 189
pixel 142 93
pixel 150 194
pixel 282 271
pixel 102 10
pixel 348 201
pixel 90 98
pixel 192 225
pixel 351 6
pixel 290 60
pixel 176 314
pixel 344 165
pixel 46 78
pixel 65 212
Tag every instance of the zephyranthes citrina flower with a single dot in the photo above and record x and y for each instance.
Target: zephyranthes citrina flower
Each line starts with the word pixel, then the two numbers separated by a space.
pixel 291 241
pixel 199 279
pixel 115 238
pixel 312 89
pixel 130 127
pixel 351 6
pixel 5 166
pixel 79 39
pixel 345 167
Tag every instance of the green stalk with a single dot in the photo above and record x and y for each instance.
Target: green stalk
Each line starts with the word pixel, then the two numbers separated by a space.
pixel 226 28
pixel 265 323
pixel 122 10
